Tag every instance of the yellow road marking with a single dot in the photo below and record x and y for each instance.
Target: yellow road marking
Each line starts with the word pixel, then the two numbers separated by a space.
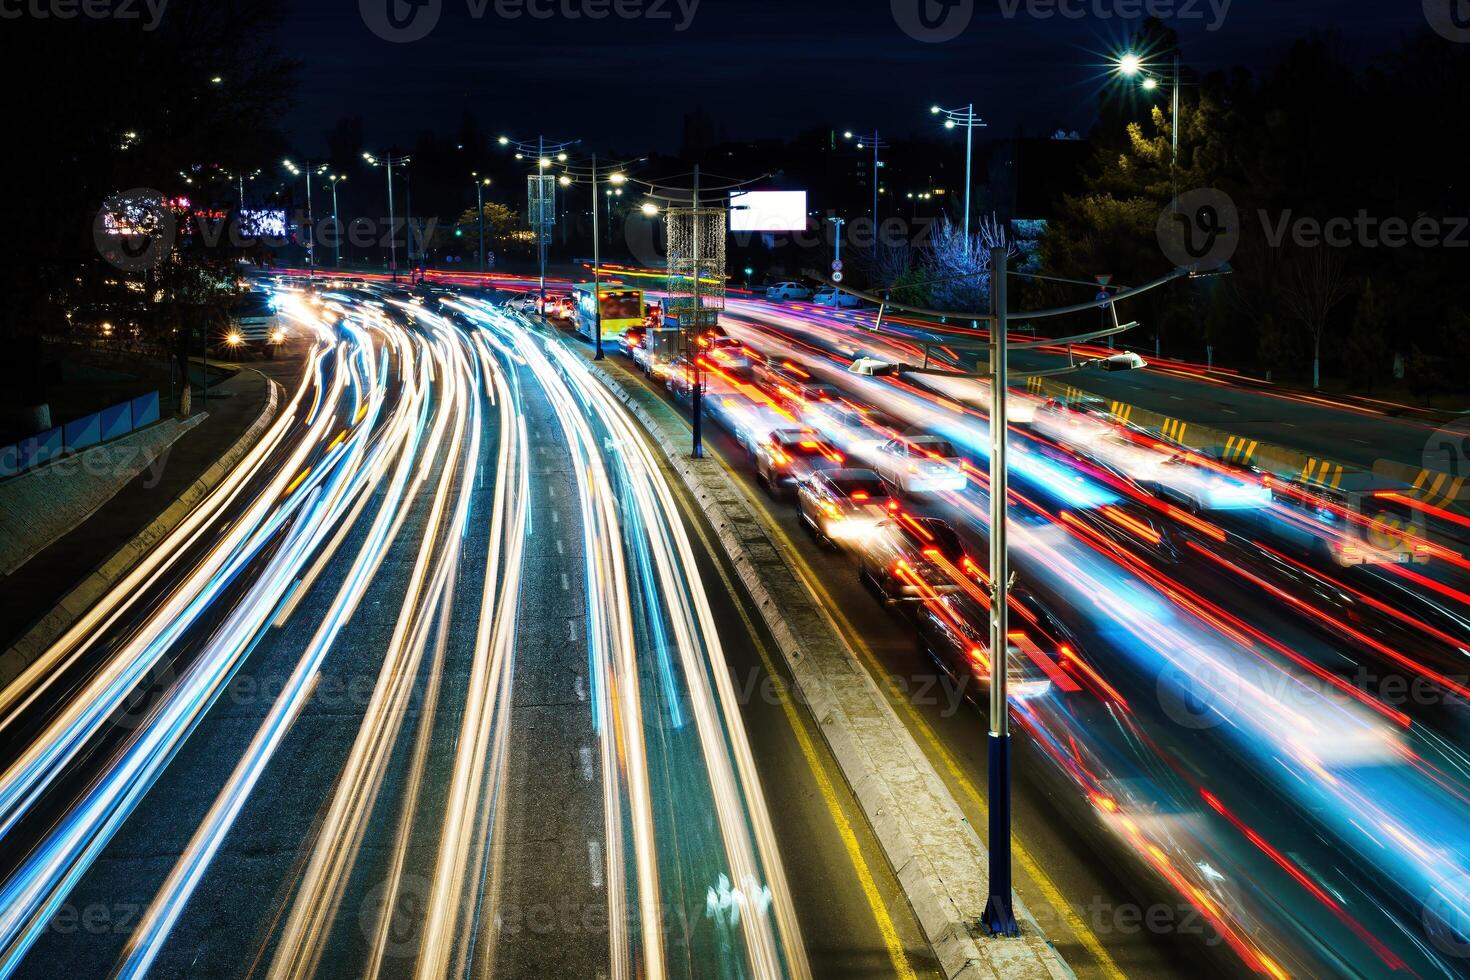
pixel 1029 864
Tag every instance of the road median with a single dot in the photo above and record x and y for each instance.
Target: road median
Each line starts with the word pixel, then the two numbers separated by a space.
pixel 934 851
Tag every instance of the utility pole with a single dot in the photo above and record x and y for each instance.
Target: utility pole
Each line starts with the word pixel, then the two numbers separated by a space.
pixel 388 163
pixel 596 264
pixel 480 183
pixel 1000 916
pixel 696 393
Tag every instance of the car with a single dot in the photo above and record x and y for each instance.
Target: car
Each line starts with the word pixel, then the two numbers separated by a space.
pixel 786 457
pixel 255 326
pixel 728 355
pixel 1351 524
pixel 827 296
pixel 953 631
pixel 920 464
pixel 788 290
pixel 524 303
pixel 630 339
pixel 909 558
pixel 843 505
pixel 856 430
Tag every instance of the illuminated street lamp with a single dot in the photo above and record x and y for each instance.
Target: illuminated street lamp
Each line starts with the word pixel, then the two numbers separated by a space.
pixel 541 148
pixel 963 117
pixel 388 163
pixel 876 141
pixel 480 184
pixel 335 179
pixel 310 216
pixel 1130 65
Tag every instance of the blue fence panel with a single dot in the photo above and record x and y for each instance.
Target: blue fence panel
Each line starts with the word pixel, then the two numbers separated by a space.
pixel 9 460
pixel 40 448
pixel 83 432
pixel 145 409
pixel 117 420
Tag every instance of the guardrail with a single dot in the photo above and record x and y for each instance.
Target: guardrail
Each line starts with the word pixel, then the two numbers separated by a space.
pixel 111 423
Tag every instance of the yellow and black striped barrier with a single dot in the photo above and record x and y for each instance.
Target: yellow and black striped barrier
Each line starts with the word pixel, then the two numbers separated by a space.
pixel 1174 430
pixel 1322 472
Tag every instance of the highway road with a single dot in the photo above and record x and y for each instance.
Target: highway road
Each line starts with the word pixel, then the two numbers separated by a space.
pixel 443 680
pixel 1254 735
pixel 1356 431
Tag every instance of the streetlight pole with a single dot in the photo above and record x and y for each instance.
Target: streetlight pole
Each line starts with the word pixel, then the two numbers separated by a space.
pixel 310 214
pixel 388 163
pixel 1130 65
pixel 543 164
pixel 480 185
pixel 967 118
pixel 877 141
pixel 1000 916
pixel 596 264
pixel 336 221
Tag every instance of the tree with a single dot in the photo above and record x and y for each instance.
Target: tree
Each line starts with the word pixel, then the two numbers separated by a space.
pixel 1315 285
pixel 128 103
pixel 1367 344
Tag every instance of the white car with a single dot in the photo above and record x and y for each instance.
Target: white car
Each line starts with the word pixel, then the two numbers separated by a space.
pixel 920 464
pixel 827 296
pixel 788 290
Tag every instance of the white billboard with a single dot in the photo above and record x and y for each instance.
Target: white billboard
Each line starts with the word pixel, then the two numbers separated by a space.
pixel 768 211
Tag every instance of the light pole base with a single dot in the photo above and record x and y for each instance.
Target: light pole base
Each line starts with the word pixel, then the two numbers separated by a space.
pixel 1000 914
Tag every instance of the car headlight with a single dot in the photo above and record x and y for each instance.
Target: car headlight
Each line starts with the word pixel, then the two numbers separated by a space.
pixel 234 339
pixel 277 336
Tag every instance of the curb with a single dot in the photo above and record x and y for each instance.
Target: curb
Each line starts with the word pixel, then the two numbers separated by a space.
pixel 39 637
pixel 934 851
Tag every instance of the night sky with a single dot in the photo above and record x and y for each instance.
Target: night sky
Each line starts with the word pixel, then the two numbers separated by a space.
pixel 760 68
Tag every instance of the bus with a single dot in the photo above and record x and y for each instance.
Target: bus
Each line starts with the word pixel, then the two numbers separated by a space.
pixel 622 309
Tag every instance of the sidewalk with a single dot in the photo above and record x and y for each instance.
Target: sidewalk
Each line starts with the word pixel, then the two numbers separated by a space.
pixel 33 593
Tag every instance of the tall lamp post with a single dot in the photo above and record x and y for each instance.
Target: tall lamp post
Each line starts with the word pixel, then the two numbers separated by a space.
pixel 543 163
pixel 877 143
pixel 388 163
pixel 480 184
pixel 963 117
pixel 310 217
pixel 335 179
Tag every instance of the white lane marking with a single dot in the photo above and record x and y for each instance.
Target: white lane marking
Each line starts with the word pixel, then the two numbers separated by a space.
pixel 594 861
pixel 1176 398
pixel 565 585
pixel 1229 411
pixel 580 687
pixel 559 549
pixel 588 772
pixel 572 629
pixel 555 517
